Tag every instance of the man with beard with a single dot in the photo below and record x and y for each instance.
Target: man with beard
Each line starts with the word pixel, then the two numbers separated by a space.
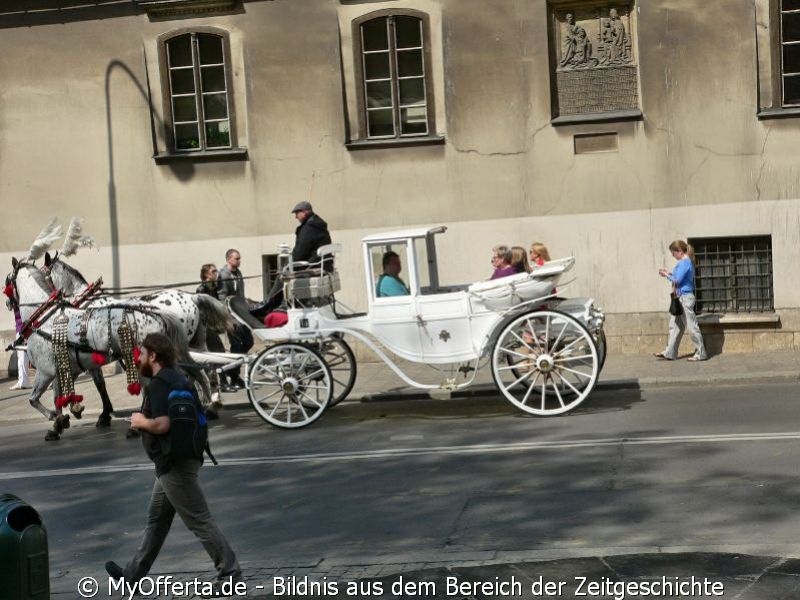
pixel 176 488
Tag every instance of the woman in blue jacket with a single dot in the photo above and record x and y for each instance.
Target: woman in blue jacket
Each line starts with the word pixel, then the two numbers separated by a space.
pixel 682 279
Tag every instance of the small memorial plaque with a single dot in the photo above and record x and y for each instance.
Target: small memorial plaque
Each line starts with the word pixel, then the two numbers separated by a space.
pixel 589 143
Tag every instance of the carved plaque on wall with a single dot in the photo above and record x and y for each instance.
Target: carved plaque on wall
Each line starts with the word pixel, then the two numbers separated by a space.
pixel 595 66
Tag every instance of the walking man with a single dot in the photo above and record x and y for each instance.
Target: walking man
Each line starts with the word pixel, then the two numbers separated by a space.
pixel 176 488
pixel 231 283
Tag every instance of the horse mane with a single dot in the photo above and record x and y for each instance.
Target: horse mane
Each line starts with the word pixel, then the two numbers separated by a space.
pixel 72 271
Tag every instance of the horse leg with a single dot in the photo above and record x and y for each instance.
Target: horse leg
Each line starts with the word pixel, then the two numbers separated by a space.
pixel 61 421
pixel 199 376
pixel 40 384
pixel 104 420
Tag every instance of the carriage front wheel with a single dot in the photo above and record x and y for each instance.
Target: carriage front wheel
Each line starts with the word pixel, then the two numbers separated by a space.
pixel 545 362
pixel 290 385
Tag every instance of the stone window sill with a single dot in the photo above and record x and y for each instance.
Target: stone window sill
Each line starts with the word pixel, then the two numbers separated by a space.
pixel 778 113
pixel 428 140
pixel 738 318
pixel 609 117
pixel 227 155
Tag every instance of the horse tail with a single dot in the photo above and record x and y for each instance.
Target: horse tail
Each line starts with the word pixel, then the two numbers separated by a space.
pixel 173 329
pixel 213 313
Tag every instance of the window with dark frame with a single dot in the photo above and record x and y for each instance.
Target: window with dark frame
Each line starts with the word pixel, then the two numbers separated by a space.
pixel 734 275
pixel 199 92
pixel 394 80
pixel 790 52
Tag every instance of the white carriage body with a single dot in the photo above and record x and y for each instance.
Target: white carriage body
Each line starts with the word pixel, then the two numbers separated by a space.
pixel 433 324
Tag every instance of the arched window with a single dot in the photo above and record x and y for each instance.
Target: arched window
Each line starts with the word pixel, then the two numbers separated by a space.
pixel 197 91
pixel 395 81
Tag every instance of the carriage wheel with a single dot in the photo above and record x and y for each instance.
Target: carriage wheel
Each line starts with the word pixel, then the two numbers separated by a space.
pixel 290 385
pixel 342 362
pixel 602 348
pixel 554 362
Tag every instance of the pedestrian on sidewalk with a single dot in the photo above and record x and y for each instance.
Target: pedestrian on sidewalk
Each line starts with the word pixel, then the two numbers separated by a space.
pixel 231 283
pixel 176 488
pixel 682 280
pixel 23 362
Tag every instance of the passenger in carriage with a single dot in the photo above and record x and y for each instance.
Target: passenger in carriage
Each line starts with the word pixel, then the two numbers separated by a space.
pixel 389 283
pixel 501 261
pixel 539 254
pixel 519 259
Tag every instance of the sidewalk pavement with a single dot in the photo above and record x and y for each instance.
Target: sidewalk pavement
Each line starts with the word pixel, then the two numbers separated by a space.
pixel 375 381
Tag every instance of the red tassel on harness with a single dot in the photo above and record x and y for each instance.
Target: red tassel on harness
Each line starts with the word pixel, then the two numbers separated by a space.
pixel 65 400
pixel 135 388
pixel 98 358
pixel 136 355
pixel 9 291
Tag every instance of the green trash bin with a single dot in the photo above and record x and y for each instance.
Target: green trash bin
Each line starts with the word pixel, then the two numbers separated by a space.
pixel 24 562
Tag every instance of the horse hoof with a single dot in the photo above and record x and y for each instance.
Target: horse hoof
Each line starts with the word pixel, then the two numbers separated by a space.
pixel 51 436
pixel 103 421
pixel 132 433
pixel 76 409
pixel 62 423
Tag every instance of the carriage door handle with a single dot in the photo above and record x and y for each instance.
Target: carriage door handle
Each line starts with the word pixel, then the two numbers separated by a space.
pixel 420 321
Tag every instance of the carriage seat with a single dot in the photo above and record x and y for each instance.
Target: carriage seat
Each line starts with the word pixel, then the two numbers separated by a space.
pixel 318 280
pixel 241 312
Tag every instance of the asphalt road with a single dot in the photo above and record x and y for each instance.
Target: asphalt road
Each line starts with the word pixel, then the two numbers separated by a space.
pixel 664 469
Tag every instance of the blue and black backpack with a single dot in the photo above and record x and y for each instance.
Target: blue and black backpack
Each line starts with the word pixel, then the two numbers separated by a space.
pixel 188 428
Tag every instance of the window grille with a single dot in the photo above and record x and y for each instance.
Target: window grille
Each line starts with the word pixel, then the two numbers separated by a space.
pixel 733 274
pixel 395 83
pixel 198 92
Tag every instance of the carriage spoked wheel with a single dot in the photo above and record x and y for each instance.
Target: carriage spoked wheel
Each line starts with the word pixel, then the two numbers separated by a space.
pixel 545 362
pixel 342 362
pixel 290 386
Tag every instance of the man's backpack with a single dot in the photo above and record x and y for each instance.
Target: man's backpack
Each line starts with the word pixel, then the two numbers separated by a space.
pixel 188 426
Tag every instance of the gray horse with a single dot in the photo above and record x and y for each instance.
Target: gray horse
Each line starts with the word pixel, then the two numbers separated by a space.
pixel 88 333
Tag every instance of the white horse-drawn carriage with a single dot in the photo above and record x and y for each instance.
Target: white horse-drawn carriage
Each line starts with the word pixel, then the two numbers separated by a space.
pixel 545 353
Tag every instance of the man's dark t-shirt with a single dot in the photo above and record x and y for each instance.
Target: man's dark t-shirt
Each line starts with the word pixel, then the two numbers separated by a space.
pixel 156 404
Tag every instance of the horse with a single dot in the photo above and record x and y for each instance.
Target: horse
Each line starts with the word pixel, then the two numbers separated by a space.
pixel 89 332
pixel 195 312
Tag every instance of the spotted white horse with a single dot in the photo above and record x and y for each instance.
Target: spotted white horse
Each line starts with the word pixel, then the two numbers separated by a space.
pixel 196 313
pixel 88 334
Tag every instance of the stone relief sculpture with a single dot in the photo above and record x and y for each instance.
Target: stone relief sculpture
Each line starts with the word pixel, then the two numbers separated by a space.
pixel 616 44
pixel 577 49
pixel 613 43
pixel 595 69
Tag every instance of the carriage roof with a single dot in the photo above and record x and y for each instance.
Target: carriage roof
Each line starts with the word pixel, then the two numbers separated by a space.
pixel 403 234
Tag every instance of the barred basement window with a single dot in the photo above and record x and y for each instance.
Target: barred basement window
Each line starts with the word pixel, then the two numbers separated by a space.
pixel 197 90
pixel 734 274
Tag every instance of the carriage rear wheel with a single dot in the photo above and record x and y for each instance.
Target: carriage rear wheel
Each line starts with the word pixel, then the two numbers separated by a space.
pixel 342 362
pixel 545 362
pixel 290 386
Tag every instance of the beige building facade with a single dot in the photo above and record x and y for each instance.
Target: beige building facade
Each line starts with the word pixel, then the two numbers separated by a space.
pixel 603 129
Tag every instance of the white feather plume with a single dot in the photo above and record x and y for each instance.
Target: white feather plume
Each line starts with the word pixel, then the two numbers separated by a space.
pixel 44 240
pixel 75 238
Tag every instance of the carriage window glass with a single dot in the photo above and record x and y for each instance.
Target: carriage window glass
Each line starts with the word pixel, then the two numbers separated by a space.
pixel 377 253
pixel 395 84
pixel 199 91
pixel 423 271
